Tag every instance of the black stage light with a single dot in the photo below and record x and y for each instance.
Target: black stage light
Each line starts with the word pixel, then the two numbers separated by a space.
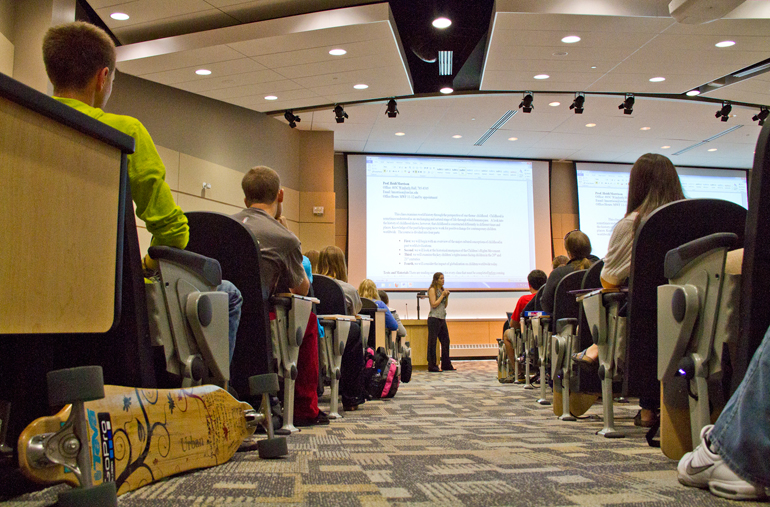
pixel 724 113
pixel 577 104
pixel 291 118
pixel 763 113
pixel 628 105
pixel 339 114
pixel 392 111
pixel 526 102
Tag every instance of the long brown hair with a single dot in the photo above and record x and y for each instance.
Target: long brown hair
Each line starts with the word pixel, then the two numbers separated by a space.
pixel 368 289
pixel 435 285
pixel 653 183
pixel 578 247
pixel 331 262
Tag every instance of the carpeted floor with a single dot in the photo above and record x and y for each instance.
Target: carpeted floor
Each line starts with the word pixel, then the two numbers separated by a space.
pixel 450 439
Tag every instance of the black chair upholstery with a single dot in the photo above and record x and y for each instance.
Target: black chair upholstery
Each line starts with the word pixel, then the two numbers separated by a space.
pixel 755 278
pixel 239 257
pixel 666 228
pixel 565 305
pixel 330 293
pixel 591 280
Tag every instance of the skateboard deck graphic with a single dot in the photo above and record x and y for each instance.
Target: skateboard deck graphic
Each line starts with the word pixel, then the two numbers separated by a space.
pixel 138 436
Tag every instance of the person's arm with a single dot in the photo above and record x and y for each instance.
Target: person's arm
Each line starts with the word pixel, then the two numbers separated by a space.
pixel 435 301
pixel 617 262
pixel 296 277
pixel 155 204
pixel 390 321
pixel 302 289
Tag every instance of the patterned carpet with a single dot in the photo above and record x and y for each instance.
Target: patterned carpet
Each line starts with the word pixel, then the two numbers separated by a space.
pixel 450 439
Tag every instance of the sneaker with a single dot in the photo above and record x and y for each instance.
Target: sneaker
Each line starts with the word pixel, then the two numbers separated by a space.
pixel 696 467
pixel 703 468
pixel 320 420
pixel 726 484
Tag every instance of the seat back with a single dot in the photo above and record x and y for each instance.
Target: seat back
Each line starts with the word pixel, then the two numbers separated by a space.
pixel 591 280
pixel 664 229
pixel 755 273
pixel 328 291
pixel 538 300
pixel 236 248
pixel 565 305
pixel 368 304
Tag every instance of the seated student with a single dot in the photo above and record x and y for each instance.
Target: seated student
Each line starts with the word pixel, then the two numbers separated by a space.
pixel 401 329
pixel 331 263
pixel 578 248
pixel 653 182
pixel 536 279
pixel 368 289
pixel 312 256
pixel 80 62
pixel 282 271
pixel 731 460
pixel 560 260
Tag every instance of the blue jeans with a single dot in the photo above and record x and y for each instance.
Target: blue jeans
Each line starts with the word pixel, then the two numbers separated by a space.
pixel 742 432
pixel 234 303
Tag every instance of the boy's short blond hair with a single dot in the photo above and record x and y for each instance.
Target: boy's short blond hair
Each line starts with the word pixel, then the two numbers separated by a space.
pixel 74 53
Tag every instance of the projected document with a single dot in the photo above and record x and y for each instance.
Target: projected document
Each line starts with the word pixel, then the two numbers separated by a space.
pixel 603 194
pixel 471 219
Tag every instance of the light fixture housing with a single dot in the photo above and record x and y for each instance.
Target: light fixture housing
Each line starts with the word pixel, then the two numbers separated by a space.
pixel 628 104
pixel 291 118
pixel 577 104
pixel 761 116
pixel 392 110
pixel 340 114
pixel 724 112
pixel 526 105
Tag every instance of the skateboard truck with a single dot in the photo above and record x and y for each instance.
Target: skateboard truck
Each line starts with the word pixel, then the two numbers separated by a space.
pixel 63 447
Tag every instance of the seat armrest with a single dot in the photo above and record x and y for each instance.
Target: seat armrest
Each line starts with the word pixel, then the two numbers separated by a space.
pixel 614 297
pixel 207 268
pixel 680 257
pixel 562 323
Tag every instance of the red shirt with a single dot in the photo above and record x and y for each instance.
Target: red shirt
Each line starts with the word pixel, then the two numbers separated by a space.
pixel 523 300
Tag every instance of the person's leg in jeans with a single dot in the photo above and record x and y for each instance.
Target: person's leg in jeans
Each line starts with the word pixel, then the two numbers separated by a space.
pixel 351 369
pixel 443 337
pixel 306 385
pixel 234 303
pixel 433 328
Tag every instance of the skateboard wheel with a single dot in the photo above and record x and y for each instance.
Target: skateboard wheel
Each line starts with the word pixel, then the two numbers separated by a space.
pixel 272 448
pixel 263 384
pixel 84 383
pixel 103 495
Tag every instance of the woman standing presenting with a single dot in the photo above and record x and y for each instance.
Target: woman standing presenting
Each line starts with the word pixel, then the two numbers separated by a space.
pixel 438 297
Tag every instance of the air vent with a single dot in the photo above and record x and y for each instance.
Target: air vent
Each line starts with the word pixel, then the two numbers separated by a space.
pixel 732 129
pixel 494 128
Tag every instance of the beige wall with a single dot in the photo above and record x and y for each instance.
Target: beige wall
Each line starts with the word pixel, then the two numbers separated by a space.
pixel 564 206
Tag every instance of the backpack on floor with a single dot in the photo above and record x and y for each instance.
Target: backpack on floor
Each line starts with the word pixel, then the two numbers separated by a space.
pixel 380 374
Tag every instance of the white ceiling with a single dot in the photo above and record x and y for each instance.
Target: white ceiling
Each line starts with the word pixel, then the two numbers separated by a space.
pixel 628 41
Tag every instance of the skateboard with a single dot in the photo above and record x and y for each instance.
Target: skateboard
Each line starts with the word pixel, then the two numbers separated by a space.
pixel 133 437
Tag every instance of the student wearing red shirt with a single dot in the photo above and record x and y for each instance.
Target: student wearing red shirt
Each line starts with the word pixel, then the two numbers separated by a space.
pixel 536 279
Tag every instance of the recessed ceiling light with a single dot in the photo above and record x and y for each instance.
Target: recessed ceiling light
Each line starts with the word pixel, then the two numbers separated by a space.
pixel 400 134
pixel 645 128
pixel 725 44
pixel 657 79
pixel 554 104
pixel 337 52
pixel 712 149
pixel 271 97
pixel 119 16
pixel 513 138
pixel 560 53
pixel 361 86
pixel 442 22
pixel 203 72
pixel 542 76
pixel 665 147
pixel 446 90
pixel 693 93
pixel 456 136
pixel 593 67
pixel 589 125
pixel 571 39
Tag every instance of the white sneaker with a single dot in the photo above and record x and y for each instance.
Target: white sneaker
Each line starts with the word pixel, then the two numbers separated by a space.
pixel 696 467
pixel 725 483
pixel 702 468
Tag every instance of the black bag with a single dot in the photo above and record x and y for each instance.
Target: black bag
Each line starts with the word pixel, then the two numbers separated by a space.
pixel 406 369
